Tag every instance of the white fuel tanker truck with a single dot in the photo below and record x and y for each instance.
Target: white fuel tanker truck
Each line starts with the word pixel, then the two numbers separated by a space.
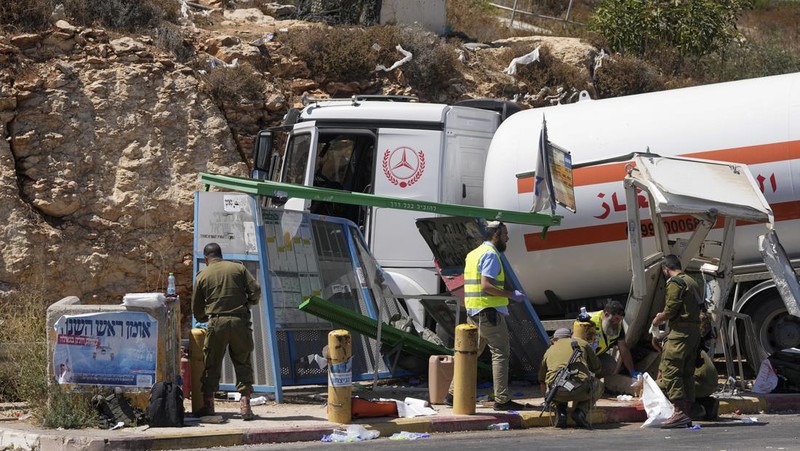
pixel 482 152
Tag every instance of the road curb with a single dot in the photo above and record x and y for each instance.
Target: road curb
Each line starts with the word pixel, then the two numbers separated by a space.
pixel 628 413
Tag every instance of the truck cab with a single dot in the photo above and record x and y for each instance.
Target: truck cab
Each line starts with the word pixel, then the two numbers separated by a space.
pixel 389 146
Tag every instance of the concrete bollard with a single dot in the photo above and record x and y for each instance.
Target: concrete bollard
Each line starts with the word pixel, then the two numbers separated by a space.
pixel 197 361
pixel 340 376
pixel 465 371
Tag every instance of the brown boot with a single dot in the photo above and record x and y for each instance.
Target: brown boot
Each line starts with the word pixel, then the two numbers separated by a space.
pixel 679 419
pixel 244 407
pixel 208 406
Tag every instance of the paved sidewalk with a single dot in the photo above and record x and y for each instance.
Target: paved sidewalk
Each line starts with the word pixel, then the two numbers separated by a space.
pixel 304 418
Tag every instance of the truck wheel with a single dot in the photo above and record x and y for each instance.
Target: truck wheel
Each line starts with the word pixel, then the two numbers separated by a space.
pixel 775 328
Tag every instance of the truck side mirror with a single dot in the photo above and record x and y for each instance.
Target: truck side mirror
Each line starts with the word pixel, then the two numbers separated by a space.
pixel 262 151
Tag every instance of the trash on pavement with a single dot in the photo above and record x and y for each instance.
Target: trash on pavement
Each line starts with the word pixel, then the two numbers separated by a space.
pixel 413 407
pixel 353 433
pixel 403 435
pixel 499 427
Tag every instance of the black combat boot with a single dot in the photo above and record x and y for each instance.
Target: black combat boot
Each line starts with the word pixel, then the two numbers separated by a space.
pixel 561 415
pixel 579 417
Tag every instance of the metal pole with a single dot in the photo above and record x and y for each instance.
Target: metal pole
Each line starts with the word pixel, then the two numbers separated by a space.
pixel 569 8
pixel 513 13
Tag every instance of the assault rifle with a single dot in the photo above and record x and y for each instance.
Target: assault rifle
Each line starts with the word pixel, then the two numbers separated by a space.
pixel 562 378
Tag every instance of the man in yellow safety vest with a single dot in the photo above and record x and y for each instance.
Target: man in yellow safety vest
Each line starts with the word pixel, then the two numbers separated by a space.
pixel 486 300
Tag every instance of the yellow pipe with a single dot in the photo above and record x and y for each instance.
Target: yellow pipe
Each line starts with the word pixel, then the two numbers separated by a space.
pixel 465 371
pixel 197 362
pixel 340 377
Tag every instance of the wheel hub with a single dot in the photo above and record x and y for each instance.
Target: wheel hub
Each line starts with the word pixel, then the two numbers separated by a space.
pixel 784 332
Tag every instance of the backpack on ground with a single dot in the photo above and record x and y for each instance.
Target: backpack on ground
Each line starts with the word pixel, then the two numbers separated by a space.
pixel 115 408
pixel 166 405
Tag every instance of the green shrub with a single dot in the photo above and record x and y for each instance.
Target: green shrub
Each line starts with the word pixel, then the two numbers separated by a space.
pixel 695 28
pixel 626 75
pixel 236 83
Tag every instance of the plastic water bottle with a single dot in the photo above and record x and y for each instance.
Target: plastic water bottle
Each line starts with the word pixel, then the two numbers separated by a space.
pixel 171 285
pixel 584 316
pixel 499 427
pixel 258 401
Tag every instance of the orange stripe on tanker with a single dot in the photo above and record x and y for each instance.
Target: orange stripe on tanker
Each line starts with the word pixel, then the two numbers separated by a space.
pixel 617 231
pixel 764 153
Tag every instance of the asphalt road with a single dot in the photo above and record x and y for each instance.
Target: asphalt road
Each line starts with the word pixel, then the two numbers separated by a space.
pixel 774 432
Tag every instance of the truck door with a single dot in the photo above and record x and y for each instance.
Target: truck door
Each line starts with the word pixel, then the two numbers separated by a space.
pixel 407 166
pixel 298 161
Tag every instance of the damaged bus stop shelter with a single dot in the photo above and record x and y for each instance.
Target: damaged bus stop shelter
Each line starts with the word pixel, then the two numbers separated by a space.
pixel 298 256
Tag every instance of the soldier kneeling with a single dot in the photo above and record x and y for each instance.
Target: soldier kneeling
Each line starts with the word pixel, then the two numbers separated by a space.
pixel 566 374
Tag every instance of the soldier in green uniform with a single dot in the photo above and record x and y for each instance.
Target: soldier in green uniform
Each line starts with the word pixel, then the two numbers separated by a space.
pixel 582 388
pixel 223 294
pixel 682 315
pixel 706 381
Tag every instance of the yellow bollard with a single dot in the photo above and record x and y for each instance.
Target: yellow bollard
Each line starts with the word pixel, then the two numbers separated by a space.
pixel 197 361
pixel 465 371
pixel 340 376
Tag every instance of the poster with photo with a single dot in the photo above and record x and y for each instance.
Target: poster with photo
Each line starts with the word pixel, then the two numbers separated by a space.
pixel 110 348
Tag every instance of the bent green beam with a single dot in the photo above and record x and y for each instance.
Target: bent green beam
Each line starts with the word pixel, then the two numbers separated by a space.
pixel 270 188
pixel 367 326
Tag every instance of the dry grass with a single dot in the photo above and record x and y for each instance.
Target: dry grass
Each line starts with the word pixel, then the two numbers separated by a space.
pixel 333 53
pixel 625 75
pixel 23 373
pixel 475 20
pixel 549 72
pixel 432 65
pixel 236 84
pixel 122 15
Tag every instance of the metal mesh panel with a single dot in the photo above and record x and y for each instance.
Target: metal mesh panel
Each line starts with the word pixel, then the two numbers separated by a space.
pixel 307 342
pixel 527 347
pixel 352 12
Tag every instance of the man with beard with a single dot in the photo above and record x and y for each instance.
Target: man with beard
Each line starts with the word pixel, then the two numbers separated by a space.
pixel 609 333
pixel 486 299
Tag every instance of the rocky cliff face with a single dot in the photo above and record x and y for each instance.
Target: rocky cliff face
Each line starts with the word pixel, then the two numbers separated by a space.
pixel 102 154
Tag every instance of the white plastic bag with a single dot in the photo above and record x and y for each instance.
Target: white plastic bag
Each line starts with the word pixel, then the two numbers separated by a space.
pixel 524 59
pixel 767 379
pixel 657 406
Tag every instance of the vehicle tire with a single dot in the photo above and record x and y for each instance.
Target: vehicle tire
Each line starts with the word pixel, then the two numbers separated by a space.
pixel 775 328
